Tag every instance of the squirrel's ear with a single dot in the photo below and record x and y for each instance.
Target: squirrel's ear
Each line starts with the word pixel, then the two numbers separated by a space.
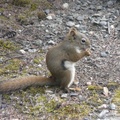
pixel 72 31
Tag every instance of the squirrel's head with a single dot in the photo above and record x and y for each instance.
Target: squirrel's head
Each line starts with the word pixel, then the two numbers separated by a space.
pixel 78 39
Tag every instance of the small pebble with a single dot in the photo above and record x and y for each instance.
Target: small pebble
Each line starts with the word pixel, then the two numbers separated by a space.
pixel 70 18
pixel 15 119
pixel 112 26
pixel 112 106
pixel 65 6
pixel 99 7
pixel 22 51
pixel 64 95
pixel 103 106
pixel 49 17
pixel 86 119
pixel 32 50
pixel 19 31
pixel 103 23
pixel 91 32
pixel 77 26
pixel 81 98
pixel 103 54
pixel 49 91
pixel 39 65
pixel 47 11
pixel 103 113
pixel 51 42
pixel 46 30
pixel 38 42
pixel 1 59
pixel 70 23
pixel 73 94
pixel 110 3
pixel 97 22
pixel 89 83
pixel 80 18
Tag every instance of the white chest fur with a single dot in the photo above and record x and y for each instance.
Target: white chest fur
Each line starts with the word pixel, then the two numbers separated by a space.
pixel 77 50
pixel 71 67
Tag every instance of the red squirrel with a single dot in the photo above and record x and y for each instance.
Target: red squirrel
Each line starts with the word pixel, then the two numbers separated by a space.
pixel 60 62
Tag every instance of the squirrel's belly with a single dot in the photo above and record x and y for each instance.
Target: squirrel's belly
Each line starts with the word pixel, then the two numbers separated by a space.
pixel 71 67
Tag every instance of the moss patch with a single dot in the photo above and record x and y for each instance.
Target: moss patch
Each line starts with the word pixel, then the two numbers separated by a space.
pixel 37 60
pixel 74 110
pixel 94 87
pixel 7 45
pixel 22 19
pixel 11 66
pixel 21 3
pixel 116 98
pixel 45 4
pixel 112 85
pixel 41 15
pixel 34 6
pixel 94 99
pixel 34 102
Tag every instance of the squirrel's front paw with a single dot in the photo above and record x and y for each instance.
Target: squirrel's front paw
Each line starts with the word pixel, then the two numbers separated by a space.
pixel 88 52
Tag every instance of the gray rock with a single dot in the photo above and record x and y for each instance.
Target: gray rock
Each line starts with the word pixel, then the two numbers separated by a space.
pixel 38 42
pixel 65 95
pixel 93 48
pixel 81 98
pixel 103 113
pixel 112 118
pixel 73 94
pixel 86 119
pixel 80 18
pixel 96 22
pixel 77 7
pixel 112 106
pixel 110 3
pixel 70 18
pixel 75 15
pixel 78 2
pixel 118 28
pixel 65 6
pixel 47 11
pixel 99 8
pixel 32 50
pixel 49 91
pixel 70 24
pixel 1 60
pixel 103 54
pixel 97 14
pixel 51 42
pixel 0 13
pixel 77 26
pixel 103 23
pixel 49 17
pixel 22 51
pixel 92 7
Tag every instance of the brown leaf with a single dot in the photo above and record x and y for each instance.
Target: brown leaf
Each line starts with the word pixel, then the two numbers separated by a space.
pixel 75 89
pixel 105 91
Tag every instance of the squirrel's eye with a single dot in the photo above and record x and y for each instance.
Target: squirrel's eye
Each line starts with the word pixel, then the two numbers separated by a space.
pixel 83 40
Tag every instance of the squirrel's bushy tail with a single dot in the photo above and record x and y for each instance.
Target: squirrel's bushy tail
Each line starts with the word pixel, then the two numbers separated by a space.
pixel 24 82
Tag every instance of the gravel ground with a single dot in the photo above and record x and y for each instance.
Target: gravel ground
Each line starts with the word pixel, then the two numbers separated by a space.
pixel 98 19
